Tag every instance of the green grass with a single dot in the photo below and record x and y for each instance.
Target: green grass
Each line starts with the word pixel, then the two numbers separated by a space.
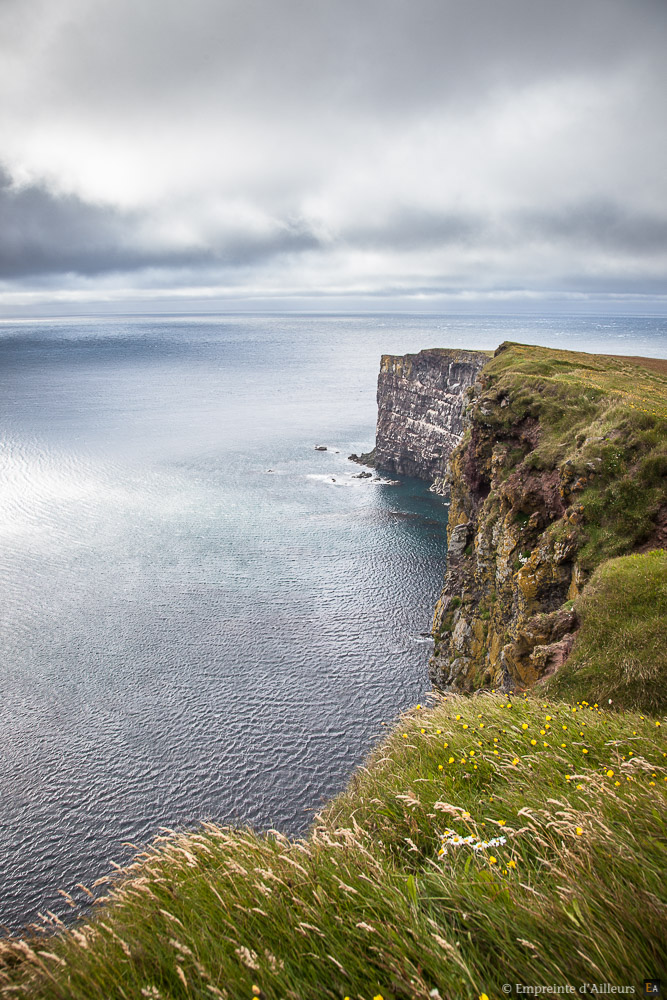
pixel 369 905
pixel 621 648
pixel 606 417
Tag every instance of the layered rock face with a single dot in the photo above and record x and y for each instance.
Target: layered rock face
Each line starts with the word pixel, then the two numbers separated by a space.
pixel 511 566
pixel 420 409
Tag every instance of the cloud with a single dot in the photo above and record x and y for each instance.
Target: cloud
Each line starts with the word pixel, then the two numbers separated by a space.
pixel 328 146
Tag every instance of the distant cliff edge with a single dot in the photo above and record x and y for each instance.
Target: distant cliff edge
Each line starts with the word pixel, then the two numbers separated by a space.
pixel 555 462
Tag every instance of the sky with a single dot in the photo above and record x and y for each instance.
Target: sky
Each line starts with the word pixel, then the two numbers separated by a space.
pixel 332 154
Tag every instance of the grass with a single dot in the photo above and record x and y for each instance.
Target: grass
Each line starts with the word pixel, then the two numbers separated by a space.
pixel 606 418
pixel 404 886
pixel 620 652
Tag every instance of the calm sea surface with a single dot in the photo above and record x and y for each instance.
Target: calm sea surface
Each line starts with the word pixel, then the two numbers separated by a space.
pixel 202 617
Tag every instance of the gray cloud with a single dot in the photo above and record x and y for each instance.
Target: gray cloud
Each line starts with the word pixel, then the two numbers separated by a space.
pixel 43 233
pixel 331 146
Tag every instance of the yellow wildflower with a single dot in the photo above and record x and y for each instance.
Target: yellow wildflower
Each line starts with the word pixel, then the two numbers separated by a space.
pixel 524 725
pixel 440 766
pixel 533 743
pixel 451 760
pixel 511 864
pixel 579 831
pixel 584 750
pixel 515 761
pixel 610 774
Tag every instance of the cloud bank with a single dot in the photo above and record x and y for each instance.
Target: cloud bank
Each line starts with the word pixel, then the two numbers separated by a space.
pixel 330 150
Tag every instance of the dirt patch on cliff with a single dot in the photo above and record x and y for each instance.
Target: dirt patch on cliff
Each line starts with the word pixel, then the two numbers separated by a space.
pixel 529 492
pixel 658 537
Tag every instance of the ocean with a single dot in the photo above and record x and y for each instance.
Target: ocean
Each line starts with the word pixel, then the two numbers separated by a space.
pixel 202 617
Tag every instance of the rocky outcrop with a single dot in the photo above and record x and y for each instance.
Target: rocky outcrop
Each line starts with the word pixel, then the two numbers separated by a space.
pixel 420 409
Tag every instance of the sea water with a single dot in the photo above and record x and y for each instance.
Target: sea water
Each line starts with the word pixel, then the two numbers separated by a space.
pixel 201 615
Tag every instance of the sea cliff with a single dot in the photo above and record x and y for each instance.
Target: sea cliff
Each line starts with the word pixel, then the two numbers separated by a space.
pixel 555 461
pixel 420 409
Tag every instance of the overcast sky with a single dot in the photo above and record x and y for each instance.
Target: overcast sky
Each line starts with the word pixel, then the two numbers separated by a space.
pixel 332 153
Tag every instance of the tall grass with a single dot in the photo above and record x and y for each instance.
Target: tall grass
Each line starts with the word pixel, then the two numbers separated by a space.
pixel 489 840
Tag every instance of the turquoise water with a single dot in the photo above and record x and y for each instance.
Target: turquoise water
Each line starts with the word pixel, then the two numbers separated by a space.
pixel 203 617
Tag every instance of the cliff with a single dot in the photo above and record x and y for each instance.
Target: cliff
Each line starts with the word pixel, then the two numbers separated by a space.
pixel 555 461
pixel 420 409
pixel 562 466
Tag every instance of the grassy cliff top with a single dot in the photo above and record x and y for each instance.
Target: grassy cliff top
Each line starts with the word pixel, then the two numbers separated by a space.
pixel 488 839
pixel 639 383
pixel 599 420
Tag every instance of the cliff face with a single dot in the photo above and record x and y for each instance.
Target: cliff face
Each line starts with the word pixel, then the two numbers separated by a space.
pixel 562 466
pixel 420 409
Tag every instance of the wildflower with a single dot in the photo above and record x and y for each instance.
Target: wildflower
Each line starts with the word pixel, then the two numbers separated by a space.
pixel 617 783
pixel 495 739
pixel 458 717
pixel 256 992
pixel 418 706
pixel 579 787
pixel 542 732
pixel 563 744
pixel 548 718
pixel 496 753
pixel 610 774
pixel 524 725
pixel 651 782
pixel 502 822
pixel 451 760
pixel 422 730
pixel 533 743
pixel 545 744
pixel 445 745
pixel 481 725
pixel 405 736
pixel 579 831
pixel 378 996
pixel 483 996
pixel 657 723
pixel 564 727
pixel 511 864
pixel 438 732
pixel 584 750
pixel 440 766
pixel 515 761
pixel 493 861
pixel 465 725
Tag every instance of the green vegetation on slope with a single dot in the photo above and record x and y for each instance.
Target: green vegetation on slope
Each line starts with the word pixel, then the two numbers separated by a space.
pixel 603 421
pixel 488 840
pixel 621 651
